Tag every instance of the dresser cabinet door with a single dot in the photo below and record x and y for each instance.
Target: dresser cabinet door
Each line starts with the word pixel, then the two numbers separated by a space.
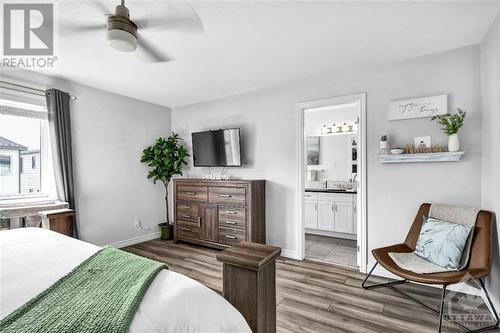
pixel 209 227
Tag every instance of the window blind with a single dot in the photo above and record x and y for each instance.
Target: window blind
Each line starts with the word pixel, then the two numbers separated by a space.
pixel 18 100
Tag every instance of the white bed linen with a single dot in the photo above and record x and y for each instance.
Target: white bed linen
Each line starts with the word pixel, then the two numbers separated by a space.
pixel 32 259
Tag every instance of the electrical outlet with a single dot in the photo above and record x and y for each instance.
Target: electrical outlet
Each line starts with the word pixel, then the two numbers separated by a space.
pixel 137 224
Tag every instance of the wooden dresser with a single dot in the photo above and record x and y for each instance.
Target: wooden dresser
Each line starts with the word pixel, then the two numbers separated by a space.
pixel 219 213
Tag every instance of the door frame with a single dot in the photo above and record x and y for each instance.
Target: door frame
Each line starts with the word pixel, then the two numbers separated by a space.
pixel 362 177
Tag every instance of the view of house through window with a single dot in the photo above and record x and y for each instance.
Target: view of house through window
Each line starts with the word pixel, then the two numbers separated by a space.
pixel 21 154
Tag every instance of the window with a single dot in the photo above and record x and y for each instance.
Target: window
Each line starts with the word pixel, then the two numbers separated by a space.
pixel 25 158
pixel 5 168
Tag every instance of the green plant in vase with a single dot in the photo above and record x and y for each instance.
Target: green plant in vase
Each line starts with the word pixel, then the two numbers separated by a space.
pixel 166 158
pixel 451 123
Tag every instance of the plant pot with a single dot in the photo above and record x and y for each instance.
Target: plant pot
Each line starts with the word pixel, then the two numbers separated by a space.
pixel 166 231
pixel 453 143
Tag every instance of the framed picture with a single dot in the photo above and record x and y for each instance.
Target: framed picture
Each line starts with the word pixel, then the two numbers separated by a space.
pixel 312 150
pixel 422 142
pixel 419 107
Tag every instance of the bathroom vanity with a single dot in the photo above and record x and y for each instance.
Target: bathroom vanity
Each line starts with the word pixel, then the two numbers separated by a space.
pixel 330 212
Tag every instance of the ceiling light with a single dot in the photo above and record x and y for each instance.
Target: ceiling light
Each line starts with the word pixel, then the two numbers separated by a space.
pixel 122 40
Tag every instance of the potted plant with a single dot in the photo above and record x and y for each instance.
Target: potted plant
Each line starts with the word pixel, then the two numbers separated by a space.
pixel 451 124
pixel 165 159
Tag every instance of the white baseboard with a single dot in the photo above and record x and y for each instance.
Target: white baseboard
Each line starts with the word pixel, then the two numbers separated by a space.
pixel 135 240
pixel 290 254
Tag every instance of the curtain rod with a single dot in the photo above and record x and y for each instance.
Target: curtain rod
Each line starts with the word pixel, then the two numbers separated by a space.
pixel 30 88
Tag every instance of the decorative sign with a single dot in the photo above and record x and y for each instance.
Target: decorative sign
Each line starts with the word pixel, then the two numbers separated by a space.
pixel 419 107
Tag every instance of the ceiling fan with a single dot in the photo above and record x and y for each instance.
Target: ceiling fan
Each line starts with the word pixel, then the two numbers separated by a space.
pixel 123 33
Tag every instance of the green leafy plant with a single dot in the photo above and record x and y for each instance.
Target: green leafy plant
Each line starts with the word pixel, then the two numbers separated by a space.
pixel 451 122
pixel 166 158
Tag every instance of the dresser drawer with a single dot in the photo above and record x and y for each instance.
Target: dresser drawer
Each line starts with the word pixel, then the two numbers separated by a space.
pixel 188 229
pixel 192 193
pixel 188 211
pixel 232 217
pixel 231 236
pixel 229 195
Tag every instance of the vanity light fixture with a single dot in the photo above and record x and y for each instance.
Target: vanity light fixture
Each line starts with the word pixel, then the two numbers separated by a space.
pixel 339 128
pixel 326 130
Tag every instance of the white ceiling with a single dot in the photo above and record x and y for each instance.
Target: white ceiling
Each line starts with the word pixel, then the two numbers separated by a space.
pixel 256 45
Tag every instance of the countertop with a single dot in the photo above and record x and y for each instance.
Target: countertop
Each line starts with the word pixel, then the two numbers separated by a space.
pixel 330 190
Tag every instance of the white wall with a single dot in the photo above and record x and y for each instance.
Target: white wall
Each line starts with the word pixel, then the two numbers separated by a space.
pixel 490 88
pixel 109 133
pixel 335 150
pixel 314 120
pixel 269 133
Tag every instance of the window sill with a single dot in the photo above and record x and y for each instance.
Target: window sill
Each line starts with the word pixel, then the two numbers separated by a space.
pixel 21 206
pixel 14 200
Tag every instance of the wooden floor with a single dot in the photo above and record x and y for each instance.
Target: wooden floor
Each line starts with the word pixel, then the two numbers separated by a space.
pixel 317 297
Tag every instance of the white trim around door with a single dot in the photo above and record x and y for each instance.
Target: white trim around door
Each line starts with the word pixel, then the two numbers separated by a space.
pixel 301 167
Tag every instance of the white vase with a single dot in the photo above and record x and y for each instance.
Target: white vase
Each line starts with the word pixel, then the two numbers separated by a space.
pixel 453 143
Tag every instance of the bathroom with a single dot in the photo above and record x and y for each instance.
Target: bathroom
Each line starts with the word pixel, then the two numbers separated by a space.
pixel 331 184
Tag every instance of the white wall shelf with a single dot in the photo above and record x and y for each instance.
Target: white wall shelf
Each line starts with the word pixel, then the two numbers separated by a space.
pixel 422 158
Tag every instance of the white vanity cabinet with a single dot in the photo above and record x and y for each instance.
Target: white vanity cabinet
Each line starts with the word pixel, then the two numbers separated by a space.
pixel 332 213
pixel 326 212
pixel 343 216
pixel 311 210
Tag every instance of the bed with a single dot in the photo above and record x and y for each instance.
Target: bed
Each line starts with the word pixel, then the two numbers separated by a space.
pixel 32 259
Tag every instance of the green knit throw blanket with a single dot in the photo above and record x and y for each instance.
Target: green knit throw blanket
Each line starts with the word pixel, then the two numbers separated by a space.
pixel 101 295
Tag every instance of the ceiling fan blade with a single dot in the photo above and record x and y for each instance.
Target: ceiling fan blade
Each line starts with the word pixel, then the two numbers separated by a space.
pixel 184 25
pixel 152 53
pixel 75 28
pixel 101 6
pixel 183 18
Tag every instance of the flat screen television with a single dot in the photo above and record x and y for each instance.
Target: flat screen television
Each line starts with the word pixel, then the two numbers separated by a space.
pixel 218 148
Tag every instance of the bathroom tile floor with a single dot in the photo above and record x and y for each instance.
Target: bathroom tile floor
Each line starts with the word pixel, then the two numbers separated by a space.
pixel 330 249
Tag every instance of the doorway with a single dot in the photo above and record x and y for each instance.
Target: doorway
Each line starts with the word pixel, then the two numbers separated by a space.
pixel 332 181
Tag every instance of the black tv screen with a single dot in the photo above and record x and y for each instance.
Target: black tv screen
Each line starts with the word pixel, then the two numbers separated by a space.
pixel 217 148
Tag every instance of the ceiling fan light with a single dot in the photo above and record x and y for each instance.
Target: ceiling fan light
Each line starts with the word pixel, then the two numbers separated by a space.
pixel 121 40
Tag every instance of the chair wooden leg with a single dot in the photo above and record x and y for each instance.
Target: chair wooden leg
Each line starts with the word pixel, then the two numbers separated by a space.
pixel 443 295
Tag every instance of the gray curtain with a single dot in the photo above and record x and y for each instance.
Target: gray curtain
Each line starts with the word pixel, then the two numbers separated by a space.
pixel 62 152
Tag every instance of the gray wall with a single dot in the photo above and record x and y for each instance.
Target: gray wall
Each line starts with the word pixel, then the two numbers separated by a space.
pixel 109 133
pixel 269 130
pixel 490 88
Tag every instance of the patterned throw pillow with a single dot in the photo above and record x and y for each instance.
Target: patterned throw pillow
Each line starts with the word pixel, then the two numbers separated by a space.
pixel 442 242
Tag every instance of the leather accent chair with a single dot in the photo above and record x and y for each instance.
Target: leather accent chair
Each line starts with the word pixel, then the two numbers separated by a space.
pixel 478 267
